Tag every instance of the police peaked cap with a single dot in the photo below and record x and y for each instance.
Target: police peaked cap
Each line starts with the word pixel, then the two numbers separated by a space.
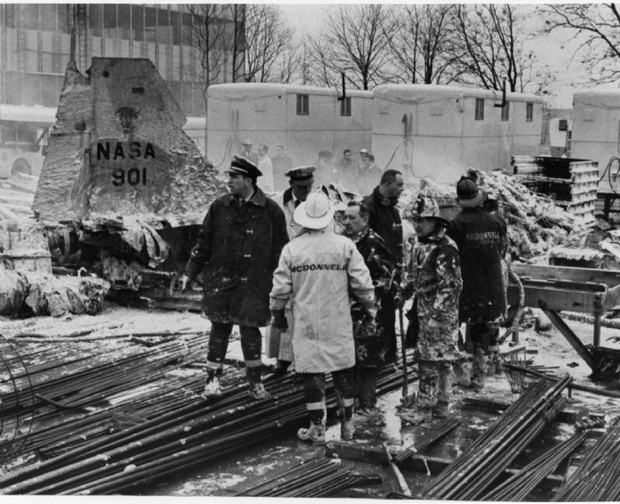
pixel 301 175
pixel 244 166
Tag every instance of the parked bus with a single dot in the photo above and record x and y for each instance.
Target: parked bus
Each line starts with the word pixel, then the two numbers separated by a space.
pixel 24 132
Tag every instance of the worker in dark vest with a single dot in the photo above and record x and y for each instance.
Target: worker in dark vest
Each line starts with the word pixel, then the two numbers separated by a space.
pixel 481 238
pixel 238 247
pixel 384 219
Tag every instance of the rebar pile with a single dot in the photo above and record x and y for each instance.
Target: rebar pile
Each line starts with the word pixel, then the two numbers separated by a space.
pixel 435 434
pixel 196 432
pixel 520 485
pixel 469 476
pixel 598 477
pixel 318 477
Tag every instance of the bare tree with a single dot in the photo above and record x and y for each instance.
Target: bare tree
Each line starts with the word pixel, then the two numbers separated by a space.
pixel 488 46
pixel 420 41
pixel 269 53
pixel 354 41
pixel 596 29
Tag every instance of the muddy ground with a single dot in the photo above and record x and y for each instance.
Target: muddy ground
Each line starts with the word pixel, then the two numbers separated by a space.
pixel 240 469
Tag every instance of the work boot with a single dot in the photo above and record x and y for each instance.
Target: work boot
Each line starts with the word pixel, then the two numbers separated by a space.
pixel 421 415
pixel 258 391
pixel 347 430
pixel 479 370
pixel 440 410
pixel 462 373
pixel 314 434
pixel 281 368
pixel 213 388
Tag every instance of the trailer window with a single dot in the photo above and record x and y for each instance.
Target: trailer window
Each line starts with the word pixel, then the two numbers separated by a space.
pixel 345 106
pixel 506 111
pixel 479 109
pixel 529 112
pixel 303 104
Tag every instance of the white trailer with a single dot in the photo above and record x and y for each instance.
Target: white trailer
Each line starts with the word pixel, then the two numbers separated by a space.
pixel 304 119
pixel 439 131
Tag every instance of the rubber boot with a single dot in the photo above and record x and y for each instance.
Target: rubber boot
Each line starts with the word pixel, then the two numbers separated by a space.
pixel 479 369
pixel 256 389
pixel 313 434
pixel 440 410
pixel 493 360
pixel 462 373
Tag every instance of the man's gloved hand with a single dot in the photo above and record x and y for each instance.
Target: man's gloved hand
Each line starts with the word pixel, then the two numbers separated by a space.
pixel 371 312
pixel 278 320
pixel 185 281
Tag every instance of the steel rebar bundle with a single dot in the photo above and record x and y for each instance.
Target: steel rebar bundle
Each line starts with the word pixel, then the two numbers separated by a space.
pixel 189 433
pixel 598 477
pixel 435 434
pixel 521 484
pixel 11 366
pixel 319 477
pixel 469 476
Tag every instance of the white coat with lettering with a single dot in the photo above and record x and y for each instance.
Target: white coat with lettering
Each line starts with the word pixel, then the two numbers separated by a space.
pixel 317 270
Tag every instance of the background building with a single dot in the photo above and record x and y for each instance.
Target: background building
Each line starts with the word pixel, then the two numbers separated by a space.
pixel 36 44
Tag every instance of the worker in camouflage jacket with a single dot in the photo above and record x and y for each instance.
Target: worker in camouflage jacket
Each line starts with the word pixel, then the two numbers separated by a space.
pixel 434 275
pixel 371 342
pixel 238 248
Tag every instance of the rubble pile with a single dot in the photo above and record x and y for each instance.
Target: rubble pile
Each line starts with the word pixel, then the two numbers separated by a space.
pixel 535 223
pixel 41 294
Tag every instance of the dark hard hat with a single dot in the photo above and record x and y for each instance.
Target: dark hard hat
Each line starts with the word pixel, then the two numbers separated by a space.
pixel 301 175
pixel 468 193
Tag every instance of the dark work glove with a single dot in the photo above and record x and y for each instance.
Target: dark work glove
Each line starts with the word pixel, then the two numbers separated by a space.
pixel 278 320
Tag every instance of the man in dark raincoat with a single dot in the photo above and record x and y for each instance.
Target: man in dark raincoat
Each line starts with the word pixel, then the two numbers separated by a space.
pixel 238 246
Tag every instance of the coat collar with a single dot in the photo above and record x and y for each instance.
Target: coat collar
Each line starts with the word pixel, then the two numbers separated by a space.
pixel 259 198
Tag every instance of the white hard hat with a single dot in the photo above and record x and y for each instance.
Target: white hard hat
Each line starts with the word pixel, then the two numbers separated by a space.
pixel 314 213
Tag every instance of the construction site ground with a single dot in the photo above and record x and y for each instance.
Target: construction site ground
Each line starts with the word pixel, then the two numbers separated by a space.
pixel 228 476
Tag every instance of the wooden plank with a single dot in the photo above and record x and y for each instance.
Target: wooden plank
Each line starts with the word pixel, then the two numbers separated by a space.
pixel 611 278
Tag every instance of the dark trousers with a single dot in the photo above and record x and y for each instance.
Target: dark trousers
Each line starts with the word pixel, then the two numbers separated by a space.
pixel 483 335
pixel 314 391
pixel 251 344
pixel 366 386
pixel 386 315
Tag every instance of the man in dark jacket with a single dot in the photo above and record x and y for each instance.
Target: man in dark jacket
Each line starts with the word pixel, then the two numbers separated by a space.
pixel 482 240
pixel 238 246
pixel 371 343
pixel 384 219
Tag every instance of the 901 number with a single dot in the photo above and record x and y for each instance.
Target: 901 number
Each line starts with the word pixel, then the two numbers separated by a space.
pixel 133 177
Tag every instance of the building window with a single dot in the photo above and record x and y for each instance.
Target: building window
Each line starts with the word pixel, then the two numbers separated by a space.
pixel 137 22
pixel 563 125
pixel 109 20
pixel 163 25
pixel 48 17
pixel 506 111
pixel 303 104
pixel 175 26
pixel 150 24
pixel 529 112
pixel 124 21
pixel 187 27
pixel 95 19
pixel 479 109
pixel 31 16
pixel 345 106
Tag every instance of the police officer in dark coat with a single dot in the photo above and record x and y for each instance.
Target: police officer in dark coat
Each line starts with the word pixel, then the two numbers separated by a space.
pixel 482 241
pixel 238 246
pixel 384 219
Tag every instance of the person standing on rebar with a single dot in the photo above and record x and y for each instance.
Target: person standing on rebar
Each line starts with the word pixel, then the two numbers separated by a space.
pixel 238 247
pixel 482 240
pixel 301 179
pixel 347 172
pixel 384 219
pixel 434 277
pixel 370 343
pixel 317 270
pixel 247 152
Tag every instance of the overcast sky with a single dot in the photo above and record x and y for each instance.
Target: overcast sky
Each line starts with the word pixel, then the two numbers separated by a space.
pixel 308 18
